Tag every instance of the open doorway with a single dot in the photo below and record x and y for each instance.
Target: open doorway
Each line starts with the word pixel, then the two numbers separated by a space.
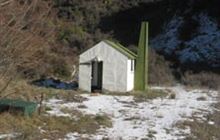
pixel 97 71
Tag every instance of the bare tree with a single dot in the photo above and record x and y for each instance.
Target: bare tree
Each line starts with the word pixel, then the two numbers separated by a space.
pixel 22 34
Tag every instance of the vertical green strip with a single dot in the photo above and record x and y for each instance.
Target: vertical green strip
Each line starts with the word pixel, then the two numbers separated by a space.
pixel 141 71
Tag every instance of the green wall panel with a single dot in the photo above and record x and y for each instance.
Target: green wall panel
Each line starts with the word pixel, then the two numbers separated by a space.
pixel 141 69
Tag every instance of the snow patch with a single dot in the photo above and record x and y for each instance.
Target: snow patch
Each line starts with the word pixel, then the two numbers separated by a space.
pixel 131 120
pixel 8 136
pixel 56 106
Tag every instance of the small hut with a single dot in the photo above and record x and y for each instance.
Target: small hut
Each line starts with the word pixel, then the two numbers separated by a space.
pixel 107 66
pixel 112 67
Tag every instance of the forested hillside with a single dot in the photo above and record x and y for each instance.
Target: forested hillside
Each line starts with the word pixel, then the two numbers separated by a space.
pixel 44 38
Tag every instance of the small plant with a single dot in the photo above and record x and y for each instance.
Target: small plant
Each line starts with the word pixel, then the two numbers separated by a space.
pixel 151 133
pixel 172 96
pixel 81 106
pixel 132 118
pixel 86 125
pixel 103 120
pixel 202 98
pixel 47 108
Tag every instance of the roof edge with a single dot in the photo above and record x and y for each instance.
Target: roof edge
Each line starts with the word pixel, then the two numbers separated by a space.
pixel 125 51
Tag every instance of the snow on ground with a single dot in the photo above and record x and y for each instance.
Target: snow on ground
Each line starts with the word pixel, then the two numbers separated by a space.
pixel 154 119
pixel 8 136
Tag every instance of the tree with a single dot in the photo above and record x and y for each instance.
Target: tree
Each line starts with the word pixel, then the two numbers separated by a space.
pixel 22 33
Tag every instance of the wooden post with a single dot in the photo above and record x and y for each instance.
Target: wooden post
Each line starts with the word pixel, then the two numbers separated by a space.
pixel 41 103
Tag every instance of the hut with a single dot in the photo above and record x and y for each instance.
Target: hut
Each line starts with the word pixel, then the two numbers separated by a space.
pixel 112 67
pixel 107 66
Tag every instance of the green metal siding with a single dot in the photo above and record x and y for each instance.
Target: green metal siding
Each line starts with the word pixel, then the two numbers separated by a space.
pixel 27 107
pixel 141 71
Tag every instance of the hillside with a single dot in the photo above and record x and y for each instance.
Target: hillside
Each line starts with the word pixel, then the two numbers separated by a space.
pixel 185 33
pixel 40 44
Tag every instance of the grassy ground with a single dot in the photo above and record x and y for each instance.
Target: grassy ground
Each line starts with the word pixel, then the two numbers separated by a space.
pixel 43 126
pixel 142 96
pixel 50 127
pixel 149 95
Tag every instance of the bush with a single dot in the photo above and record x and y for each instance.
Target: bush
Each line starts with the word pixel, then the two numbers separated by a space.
pixel 103 120
pixel 172 96
pixel 202 79
pixel 159 71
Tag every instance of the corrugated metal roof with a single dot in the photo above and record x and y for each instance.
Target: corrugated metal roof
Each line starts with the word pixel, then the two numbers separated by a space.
pixel 121 49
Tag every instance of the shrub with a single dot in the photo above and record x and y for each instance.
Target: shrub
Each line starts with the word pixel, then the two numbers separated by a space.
pixel 172 96
pixel 159 71
pixel 202 98
pixel 103 120
pixel 202 79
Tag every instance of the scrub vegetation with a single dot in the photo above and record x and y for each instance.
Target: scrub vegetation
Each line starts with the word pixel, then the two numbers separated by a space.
pixel 50 127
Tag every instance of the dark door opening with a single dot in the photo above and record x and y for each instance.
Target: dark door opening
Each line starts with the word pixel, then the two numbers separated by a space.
pixel 97 71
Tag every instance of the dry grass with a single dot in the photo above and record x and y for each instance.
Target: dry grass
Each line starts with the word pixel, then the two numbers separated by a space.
pixel 22 89
pixel 116 93
pixel 50 127
pixel 203 79
pixel 103 120
pixel 142 96
pixel 149 95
